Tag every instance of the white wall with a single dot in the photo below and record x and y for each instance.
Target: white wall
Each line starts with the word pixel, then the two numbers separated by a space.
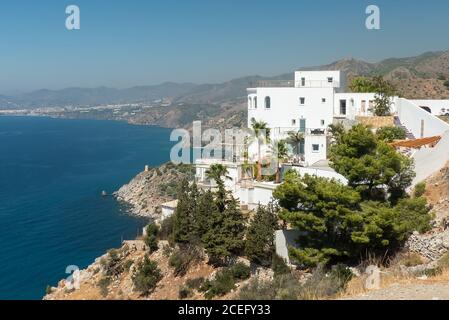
pixel 430 160
pixel 415 118
pixel 435 105
pixel 328 173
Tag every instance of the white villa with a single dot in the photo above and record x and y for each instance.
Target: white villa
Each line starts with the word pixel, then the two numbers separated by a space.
pixel 309 104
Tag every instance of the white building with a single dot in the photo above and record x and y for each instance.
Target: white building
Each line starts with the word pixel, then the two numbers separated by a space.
pixel 309 104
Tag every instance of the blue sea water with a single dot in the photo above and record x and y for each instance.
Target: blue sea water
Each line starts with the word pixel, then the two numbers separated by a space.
pixel 52 215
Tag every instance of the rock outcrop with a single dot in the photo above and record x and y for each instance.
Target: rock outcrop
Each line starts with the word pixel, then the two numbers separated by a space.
pixel 432 246
pixel 149 189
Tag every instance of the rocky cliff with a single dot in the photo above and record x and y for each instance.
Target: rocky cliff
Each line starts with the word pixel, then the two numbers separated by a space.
pixel 149 189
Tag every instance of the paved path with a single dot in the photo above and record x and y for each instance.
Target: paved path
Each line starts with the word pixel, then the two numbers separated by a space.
pixel 409 292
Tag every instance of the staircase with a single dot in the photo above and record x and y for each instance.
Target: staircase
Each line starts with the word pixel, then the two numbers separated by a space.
pixel 409 135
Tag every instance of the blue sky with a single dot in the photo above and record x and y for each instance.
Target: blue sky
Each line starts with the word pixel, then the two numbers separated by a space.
pixel 137 42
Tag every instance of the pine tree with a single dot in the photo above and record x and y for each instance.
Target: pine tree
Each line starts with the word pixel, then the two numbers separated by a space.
pixel 182 219
pixel 205 206
pixel 226 232
pixel 259 244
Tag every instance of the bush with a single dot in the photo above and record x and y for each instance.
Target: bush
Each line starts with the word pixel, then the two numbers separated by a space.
pixel 283 287
pixel 195 283
pixel 419 190
pixel 112 263
pixel 223 283
pixel 185 293
pixel 410 259
pixel 279 266
pixel 322 285
pixel 389 134
pixel 183 258
pixel 240 271
pixel 443 263
pixel 446 84
pixel 147 276
pixel 150 239
pixel 104 284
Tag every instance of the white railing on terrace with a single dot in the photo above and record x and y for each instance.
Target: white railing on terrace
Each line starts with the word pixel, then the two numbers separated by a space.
pixel 281 131
pixel 293 83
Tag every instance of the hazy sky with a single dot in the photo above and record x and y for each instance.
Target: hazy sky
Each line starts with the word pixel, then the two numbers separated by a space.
pixel 137 42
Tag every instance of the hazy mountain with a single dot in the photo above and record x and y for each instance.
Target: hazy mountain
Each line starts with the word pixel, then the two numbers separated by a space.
pixel 422 76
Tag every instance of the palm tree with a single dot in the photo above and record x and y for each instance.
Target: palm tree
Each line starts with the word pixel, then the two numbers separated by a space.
pixel 260 127
pixel 216 172
pixel 280 150
pixel 295 138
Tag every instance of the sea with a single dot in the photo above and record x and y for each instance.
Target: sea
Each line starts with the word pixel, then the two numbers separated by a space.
pixel 52 212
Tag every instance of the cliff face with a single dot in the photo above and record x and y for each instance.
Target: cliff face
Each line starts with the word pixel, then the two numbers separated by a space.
pixel 149 189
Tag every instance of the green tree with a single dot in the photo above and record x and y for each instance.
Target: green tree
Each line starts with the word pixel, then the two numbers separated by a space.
pixel 384 91
pixel 382 100
pixel 335 224
pixel 262 132
pixel 362 85
pixel 390 134
pixel 280 151
pixel 225 236
pixel 150 239
pixel 147 276
pixel 217 172
pixel 259 244
pixel 371 166
pixel 183 223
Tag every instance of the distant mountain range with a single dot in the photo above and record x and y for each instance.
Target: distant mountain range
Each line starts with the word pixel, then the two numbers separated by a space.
pixel 422 76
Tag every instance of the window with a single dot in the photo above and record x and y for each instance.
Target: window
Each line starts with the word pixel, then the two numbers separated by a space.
pixel 363 106
pixel 315 148
pixel 255 102
pixel 330 79
pixel 323 100
pixel 250 103
pixel 302 101
pixel 293 122
pixel 343 107
pixel 322 123
pixel 302 125
pixel 303 82
pixel 267 103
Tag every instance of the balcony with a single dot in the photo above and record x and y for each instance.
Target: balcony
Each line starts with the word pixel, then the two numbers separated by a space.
pixel 273 84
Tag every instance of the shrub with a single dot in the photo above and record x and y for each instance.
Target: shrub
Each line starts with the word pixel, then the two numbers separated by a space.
pixel 446 84
pixel 419 190
pixel 283 287
pixel 409 259
pixel 240 271
pixel 183 258
pixel 185 292
pixel 389 134
pixel 223 283
pixel 322 285
pixel 279 266
pixel 166 229
pixel 195 283
pixel 443 263
pixel 150 239
pixel 104 284
pixel 433 272
pixel 112 263
pixel 147 276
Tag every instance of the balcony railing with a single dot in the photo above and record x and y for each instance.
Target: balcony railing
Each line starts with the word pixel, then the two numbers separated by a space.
pixel 273 84
pixel 284 131
pixel 293 83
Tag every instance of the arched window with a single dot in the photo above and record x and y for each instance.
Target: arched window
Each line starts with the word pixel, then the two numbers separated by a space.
pixel 267 102
pixel 255 102
pixel 250 102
